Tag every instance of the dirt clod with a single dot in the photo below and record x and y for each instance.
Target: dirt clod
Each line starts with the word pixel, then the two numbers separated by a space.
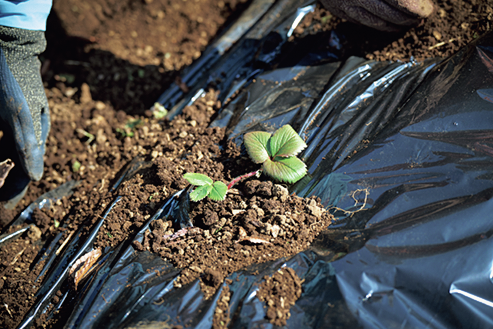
pixel 279 292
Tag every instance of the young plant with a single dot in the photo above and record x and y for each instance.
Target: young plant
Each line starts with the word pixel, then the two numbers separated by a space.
pixel 76 166
pixel 277 153
pixel 205 187
pixel 90 137
pixel 159 111
pixel 128 130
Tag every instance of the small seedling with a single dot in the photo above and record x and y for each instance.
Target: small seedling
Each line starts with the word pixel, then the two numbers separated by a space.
pixel 159 111
pixel 124 132
pixel 76 166
pixel 325 19
pixel 90 137
pixel 130 126
pixel 206 187
pixel 277 153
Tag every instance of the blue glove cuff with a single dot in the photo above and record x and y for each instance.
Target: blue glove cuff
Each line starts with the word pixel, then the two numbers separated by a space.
pixel 25 14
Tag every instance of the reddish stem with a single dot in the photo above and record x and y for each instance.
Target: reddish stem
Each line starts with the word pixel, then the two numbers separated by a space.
pixel 237 179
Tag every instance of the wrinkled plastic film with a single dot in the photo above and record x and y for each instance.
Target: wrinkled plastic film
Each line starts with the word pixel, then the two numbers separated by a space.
pixel 403 150
pixel 428 227
pixel 127 278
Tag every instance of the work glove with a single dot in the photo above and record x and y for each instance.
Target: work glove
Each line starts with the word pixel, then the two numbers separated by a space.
pixel 24 115
pixel 383 15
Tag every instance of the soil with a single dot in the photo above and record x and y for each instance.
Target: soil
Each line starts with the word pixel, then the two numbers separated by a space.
pixel 261 223
pixel 279 292
pixel 221 314
pixel 106 64
pixel 454 24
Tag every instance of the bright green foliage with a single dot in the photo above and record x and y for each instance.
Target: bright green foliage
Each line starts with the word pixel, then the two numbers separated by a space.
pixel 218 191
pixel 277 153
pixel 128 130
pixel 197 179
pixel 132 124
pixel 76 166
pixel 159 111
pixel 256 145
pixel 200 192
pixel 205 187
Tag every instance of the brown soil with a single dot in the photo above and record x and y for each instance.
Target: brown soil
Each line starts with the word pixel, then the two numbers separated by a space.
pixel 103 69
pixel 279 292
pixel 19 273
pixel 454 24
pixel 221 314
pixel 261 223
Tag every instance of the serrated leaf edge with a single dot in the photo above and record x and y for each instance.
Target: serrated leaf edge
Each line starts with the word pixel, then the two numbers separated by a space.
pixel 197 188
pixel 295 136
pixel 252 136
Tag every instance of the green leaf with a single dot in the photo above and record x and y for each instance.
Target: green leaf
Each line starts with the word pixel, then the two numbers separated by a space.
pixel 159 111
pixel 256 145
pixel 285 143
pixel 218 192
pixel 197 179
pixel 132 124
pixel 76 166
pixel 288 170
pixel 200 192
pixel 325 19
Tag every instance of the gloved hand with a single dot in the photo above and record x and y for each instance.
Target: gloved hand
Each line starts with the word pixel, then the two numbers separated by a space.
pixel 383 15
pixel 24 115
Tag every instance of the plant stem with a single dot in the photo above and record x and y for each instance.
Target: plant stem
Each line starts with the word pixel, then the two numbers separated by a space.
pixel 237 179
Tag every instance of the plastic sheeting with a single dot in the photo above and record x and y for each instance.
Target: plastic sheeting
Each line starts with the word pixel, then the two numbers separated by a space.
pixel 400 152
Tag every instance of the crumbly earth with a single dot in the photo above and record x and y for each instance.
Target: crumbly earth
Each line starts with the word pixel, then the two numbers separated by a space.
pixel 454 24
pixel 20 275
pixel 104 67
pixel 261 223
pixel 222 317
pixel 279 292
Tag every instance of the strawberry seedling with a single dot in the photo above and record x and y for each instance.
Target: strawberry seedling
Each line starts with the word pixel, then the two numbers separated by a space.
pixel 277 154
